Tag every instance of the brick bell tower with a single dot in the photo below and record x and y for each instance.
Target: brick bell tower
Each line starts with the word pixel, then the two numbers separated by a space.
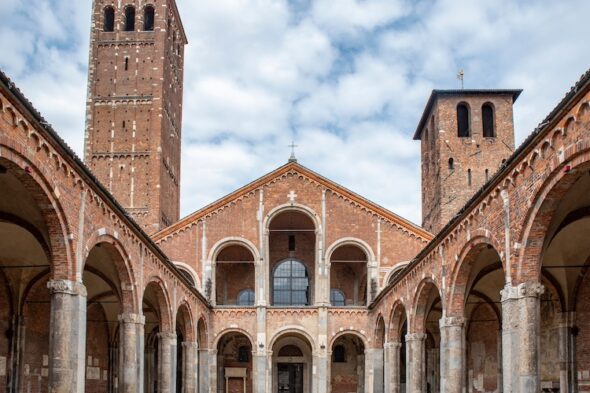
pixel 134 106
pixel 466 135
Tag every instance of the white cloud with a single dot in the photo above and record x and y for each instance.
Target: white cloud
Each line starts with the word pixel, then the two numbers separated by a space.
pixel 347 79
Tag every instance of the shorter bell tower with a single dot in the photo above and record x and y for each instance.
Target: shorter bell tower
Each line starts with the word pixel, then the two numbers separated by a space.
pixel 466 135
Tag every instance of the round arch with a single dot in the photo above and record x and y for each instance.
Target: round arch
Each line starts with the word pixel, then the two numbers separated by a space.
pixel 230 330
pixel 393 271
pixel 351 241
pixel 341 333
pixel 292 329
pixel 399 314
pixel 164 304
pixel 294 207
pixel 419 311
pixel 190 271
pixel 220 245
pixel 184 311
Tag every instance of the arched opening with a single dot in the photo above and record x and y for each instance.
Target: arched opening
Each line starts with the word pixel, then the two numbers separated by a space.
pixel 398 329
pixel 488 121
pixel 292 245
pixel 203 344
pixel 451 164
pixel 104 305
pixel 155 311
pixel 469 177
pixel 148 18
pixel 25 301
pixel 234 363
pixel 565 261
pixel 292 363
pixel 108 23
pixel 185 369
pixel 348 275
pixel 129 18
pixel 234 274
pixel 427 316
pixel 463 121
pixel 477 297
pixel 347 366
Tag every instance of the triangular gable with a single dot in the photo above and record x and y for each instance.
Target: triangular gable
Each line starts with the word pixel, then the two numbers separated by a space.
pixel 294 167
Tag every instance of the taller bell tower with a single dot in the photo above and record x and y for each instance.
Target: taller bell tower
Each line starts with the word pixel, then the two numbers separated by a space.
pixel 465 136
pixel 134 106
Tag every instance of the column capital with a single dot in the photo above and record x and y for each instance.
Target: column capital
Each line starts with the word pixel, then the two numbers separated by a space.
pixel 132 318
pixel 166 335
pixel 392 345
pixel 451 321
pixel 415 337
pixel 68 287
pixel 190 344
pixel 523 290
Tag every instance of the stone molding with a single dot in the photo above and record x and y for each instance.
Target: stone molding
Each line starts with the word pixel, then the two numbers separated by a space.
pixel 393 345
pixel 132 318
pixel 68 287
pixel 451 322
pixel 415 337
pixel 190 345
pixel 166 335
pixel 526 289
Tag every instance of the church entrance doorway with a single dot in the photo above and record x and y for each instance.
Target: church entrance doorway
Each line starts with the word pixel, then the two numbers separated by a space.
pixel 290 377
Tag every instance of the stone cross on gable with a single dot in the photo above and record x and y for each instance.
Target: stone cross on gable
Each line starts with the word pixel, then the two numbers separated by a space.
pixel 291 195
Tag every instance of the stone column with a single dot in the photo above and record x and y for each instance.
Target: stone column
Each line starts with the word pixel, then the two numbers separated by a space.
pixel 452 362
pixel 167 362
pixel 520 337
pixel 415 362
pixel 67 336
pixel 190 352
pixel 378 375
pixel 131 350
pixel 567 359
pixel 203 370
pixel 392 367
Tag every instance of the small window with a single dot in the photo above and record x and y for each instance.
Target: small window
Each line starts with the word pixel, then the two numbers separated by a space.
pixel 148 18
pixel 109 19
pixel 291 242
pixel 451 164
pixel 462 121
pixel 123 123
pixel 337 298
pixel 469 177
pixel 130 18
pixel 339 354
pixel 487 114
pixel 126 63
pixel 246 298
pixel 243 354
pixel 487 175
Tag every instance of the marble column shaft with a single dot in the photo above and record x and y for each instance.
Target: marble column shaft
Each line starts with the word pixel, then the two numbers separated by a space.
pixel 67 336
pixel 167 360
pixel 190 353
pixel 131 350
pixel 520 337
pixel 392 367
pixel 416 362
pixel 452 362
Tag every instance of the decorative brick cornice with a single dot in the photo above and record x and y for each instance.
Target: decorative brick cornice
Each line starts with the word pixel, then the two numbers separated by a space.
pixel 67 287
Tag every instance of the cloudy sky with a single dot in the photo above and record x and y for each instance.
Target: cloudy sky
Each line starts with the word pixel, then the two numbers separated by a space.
pixel 346 79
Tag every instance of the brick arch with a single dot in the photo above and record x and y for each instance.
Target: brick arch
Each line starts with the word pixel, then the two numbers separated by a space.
pixel 313 216
pixel 419 311
pixel 233 241
pixel 164 304
pixel 351 241
pixel 123 265
pixel 32 177
pixel 380 332
pixel 345 332
pixel 235 330
pixel 540 215
pixel 184 311
pixel 202 333
pixel 292 329
pixel 399 313
pixel 458 290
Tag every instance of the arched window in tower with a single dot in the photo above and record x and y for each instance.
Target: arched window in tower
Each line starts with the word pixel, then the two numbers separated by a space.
pixel 469 177
pixel 463 121
pixel 290 284
pixel 109 19
pixel 451 164
pixel 487 116
pixel 130 18
pixel 148 18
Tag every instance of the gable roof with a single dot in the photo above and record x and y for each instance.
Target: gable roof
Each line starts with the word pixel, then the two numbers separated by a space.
pixel 459 92
pixel 294 166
